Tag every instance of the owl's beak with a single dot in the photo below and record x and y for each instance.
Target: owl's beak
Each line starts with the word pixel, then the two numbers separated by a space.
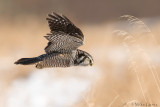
pixel 91 64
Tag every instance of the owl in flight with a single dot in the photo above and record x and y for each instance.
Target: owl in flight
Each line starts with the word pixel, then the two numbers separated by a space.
pixel 62 49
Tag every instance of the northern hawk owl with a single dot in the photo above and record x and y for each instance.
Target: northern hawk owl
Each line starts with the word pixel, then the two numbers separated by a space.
pixel 64 39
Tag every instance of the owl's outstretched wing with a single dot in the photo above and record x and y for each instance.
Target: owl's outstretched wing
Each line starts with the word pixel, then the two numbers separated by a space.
pixel 64 34
pixel 60 41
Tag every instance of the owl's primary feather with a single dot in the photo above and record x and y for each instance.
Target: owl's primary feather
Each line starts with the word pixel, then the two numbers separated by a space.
pixel 61 23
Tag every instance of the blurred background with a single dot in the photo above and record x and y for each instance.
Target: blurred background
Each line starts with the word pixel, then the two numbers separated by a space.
pixel 125 51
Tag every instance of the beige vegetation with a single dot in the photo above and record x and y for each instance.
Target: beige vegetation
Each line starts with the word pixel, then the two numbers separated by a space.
pixel 126 69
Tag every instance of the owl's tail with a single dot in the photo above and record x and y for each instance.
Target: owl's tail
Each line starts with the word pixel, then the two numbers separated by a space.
pixel 27 61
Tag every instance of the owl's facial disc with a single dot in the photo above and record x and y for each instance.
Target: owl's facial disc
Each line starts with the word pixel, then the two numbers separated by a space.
pixel 85 60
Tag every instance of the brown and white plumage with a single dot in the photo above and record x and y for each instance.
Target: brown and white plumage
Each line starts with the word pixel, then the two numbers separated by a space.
pixel 60 41
pixel 61 51
pixel 61 23
pixel 64 34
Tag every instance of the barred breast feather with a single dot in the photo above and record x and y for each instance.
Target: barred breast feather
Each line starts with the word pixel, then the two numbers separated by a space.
pixel 57 60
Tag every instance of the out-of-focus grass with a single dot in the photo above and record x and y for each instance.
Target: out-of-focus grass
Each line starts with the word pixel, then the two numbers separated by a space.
pixel 122 73
pixel 130 73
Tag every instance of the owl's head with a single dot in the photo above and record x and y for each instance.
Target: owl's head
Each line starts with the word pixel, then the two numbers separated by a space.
pixel 83 59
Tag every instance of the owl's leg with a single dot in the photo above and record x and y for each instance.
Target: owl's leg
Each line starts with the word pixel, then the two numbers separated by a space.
pixel 39 66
